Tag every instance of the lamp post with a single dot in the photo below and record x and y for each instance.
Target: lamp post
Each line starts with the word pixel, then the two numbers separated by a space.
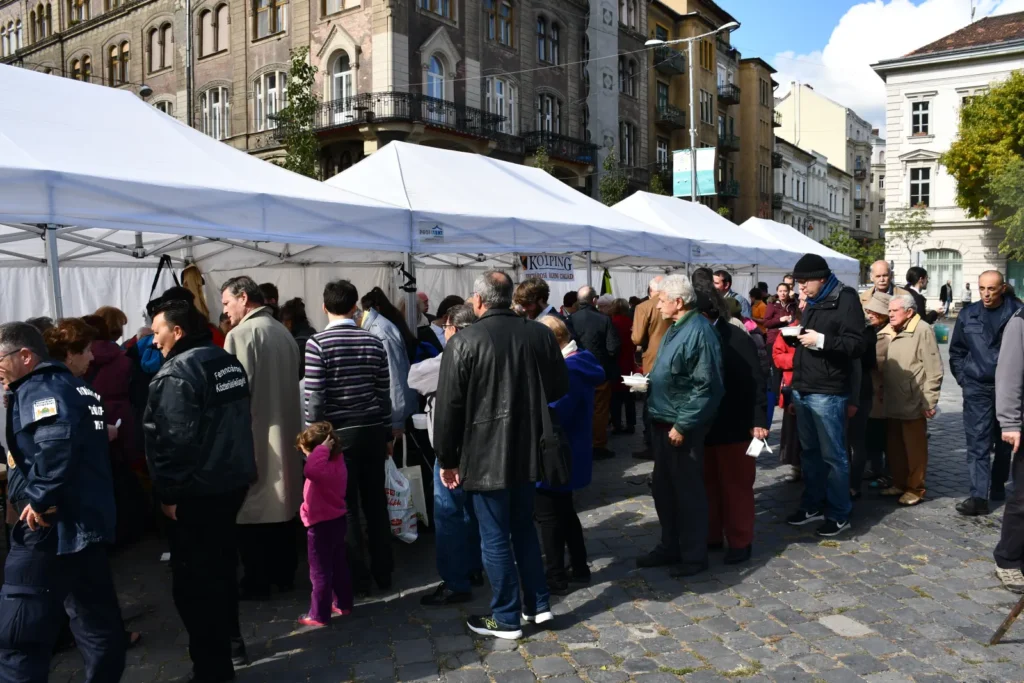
pixel 654 42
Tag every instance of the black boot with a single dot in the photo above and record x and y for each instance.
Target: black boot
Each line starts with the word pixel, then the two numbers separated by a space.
pixel 972 507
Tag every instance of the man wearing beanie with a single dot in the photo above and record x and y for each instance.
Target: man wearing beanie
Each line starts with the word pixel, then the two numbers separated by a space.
pixel 831 342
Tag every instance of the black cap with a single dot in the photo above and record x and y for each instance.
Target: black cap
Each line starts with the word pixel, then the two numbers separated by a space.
pixel 811 267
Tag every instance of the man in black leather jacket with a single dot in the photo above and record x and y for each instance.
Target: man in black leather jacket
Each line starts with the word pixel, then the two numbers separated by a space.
pixel 200 454
pixel 594 332
pixel 493 436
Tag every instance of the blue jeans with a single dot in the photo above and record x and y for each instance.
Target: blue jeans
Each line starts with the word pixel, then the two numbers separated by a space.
pixel 511 551
pixel 821 421
pixel 456 535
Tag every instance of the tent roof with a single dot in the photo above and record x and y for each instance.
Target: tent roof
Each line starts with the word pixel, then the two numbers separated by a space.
pixel 795 241
pixel 77 154
pixel 465 202
pixel 715 239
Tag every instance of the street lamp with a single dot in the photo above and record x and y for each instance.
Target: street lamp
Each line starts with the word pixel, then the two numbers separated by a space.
pixel 654 42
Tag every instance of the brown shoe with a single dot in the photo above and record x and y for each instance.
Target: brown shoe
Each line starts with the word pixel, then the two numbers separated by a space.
pixel 892 491
pixel 909 499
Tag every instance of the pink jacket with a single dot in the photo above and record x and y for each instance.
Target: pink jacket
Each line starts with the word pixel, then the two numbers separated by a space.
pixel 323 495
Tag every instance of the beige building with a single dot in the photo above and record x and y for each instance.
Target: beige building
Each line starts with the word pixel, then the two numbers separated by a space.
pixel 812 121
pixel 499 77
pixel 733 101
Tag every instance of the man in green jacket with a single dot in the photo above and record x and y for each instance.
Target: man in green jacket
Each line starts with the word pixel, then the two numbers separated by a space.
pixel 685 390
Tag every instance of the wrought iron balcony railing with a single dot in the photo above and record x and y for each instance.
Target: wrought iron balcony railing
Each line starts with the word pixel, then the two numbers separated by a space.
pixel 730 188
pixel 777 200
pixel 669 60
pixel 561 147
pixel 670 117
pixel 729 93
pixel 776 159
pixel 728 141
pixel 776 119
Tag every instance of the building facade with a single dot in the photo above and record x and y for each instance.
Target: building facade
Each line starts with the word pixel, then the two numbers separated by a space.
pixel 815 197
pixel 924 93
pixel 812 121
pixel 876 201
pixel 498 77
pixel 733 106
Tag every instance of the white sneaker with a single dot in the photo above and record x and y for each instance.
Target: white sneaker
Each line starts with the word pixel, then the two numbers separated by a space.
pixel 539 618
pixel 1012 579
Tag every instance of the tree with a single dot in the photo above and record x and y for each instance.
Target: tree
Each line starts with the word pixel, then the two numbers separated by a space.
pixel 658 185
pixel 614 183
pixel 724 211
pixel 908 228
pixel 295 120
pixel 985 160
pixel 542 161
pixel 840 240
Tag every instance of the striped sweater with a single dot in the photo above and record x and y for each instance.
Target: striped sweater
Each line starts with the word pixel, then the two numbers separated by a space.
pixel 347 378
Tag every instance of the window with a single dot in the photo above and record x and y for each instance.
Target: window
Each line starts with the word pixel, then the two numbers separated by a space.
pixel 707 55
pixel 627 143
pixel 342 88
pixel 165 107
pixel 435 78
pixel 783 183
pixel 943 265
pixel 856 222
pixel 549 114
pixel 585 121
pixel 501 100
pixel 207 34
pixel 627 76
pixel 78 10
pixel 161 47
pixel 881 207
pixel 499 21
pixel 707 107
pixel 334 6
pixel 442 8
pixel 857 191
pixel 271 93
pixel 920 186
pixel 270 17
pixel 661 153
pixel 627 13
pixel 662 95
pixel 215 108
pixel 919 117
pixel 766 93
pixel 3 41
pixel 844 206
pixel 222 29
pixel 881 182
pixel 554 45
pixel 542 40
pixel 117 63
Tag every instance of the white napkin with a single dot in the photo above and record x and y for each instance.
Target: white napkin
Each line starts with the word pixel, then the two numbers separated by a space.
pixel 756 446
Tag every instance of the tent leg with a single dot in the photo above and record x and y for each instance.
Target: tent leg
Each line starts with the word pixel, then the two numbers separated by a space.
pixel 52 260
pixel 590 274
pixel 412 304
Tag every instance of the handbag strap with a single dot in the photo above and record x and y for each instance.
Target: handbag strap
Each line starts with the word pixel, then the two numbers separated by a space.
pixel 165 262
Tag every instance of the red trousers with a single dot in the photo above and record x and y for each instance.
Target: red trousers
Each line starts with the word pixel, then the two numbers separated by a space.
pixel 729 482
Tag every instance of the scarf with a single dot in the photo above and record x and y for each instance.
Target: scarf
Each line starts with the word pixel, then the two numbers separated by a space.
pixel 830 284
pixel 569 349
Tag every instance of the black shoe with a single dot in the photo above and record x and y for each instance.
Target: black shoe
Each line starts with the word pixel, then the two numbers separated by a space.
pixel 655 559
pixel 383 582
pixel 558 587
pixel 645 454
pixel 713 547
pixel 239 657
pixel 578 576
pixel 972 507
pixel 681 571
pixel 801 517
pixel 193 678
pixel 997 495
pixel 737 555
pixel 476 579
pixel 444 596
pixel 603 454
pixel 487 626
pixel 832 528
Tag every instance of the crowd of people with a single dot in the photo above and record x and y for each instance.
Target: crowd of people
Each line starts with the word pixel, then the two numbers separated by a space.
pixel 235 435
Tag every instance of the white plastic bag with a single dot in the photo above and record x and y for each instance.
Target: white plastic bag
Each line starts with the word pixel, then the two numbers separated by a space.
pixel 414 475
pixel 400 508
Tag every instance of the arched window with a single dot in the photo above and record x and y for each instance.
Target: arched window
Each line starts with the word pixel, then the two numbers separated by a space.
pixel 270 93
pixel 440 7
pixel 78 11
pixel 943 265
pixel 329 7
pixel 215 112
pixel 207 34
pixel 542 40
pixel 549 114
pixel 499 23
pixel 554 45
pixel 3 41
pixel 18 44
pixel 76 68
pixel 123 73
pixel 165 106
pixel 87 69
pixel 33 27
pixel 342 83
pixel 435 78
pixel 222 28
pixel 631 69
pixel 155 58
pixel 48 21
pixel 113 66
pixel 161 48
pixel 881 157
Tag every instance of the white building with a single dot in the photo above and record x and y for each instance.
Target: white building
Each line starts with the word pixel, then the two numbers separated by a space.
pixel 924 92
pixel 815 195
pixel 876 200
pixel 812 121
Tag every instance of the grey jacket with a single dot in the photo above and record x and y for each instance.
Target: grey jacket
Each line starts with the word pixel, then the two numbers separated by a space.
pixel 403 399
pixel 423 379
pixel 1010 376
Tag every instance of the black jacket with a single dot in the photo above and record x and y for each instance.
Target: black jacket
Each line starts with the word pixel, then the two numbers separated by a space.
pixel 945 294
pixel 922 306
pixel 861 390
pixel 745 404
pixel 973 348
pixel 497 376
pixel 197 423
pixel 594 332
pixel 841 319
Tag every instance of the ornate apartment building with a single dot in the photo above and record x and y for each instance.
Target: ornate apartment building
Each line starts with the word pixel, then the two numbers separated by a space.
pixel 498 77
pixel 813 195
pixel 733 105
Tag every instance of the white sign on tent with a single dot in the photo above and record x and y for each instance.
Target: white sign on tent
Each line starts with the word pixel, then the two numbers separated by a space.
pixel 548 266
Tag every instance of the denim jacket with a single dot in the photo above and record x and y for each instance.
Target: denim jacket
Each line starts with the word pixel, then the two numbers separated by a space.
pixel 59 459
pixel 403 399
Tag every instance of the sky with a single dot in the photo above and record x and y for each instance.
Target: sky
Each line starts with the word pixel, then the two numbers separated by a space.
pixel 830 44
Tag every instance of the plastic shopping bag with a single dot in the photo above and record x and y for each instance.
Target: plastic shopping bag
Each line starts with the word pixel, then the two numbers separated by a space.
pixel 414 474
pixel 400 508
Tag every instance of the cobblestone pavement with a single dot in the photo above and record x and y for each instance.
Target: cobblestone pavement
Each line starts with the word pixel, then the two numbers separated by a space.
pixel 908 595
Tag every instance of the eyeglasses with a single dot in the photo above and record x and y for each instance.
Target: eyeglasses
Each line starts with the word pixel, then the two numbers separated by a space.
pixel 9 353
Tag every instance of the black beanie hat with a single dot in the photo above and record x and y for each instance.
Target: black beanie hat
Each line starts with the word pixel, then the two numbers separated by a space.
pixel 811 267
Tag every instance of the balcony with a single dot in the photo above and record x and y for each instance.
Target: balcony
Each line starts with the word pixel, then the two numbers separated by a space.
pixel 776 119
pixel 512 145
pixel 776 159
pixel 777 201
pixel 637 175
pixel 726 49
pixel 860 173
pixel 730 189
pixel 729 93
pixel 669 117
pixel 859 204
pixel 561 147
pixel 669 61
pixel 728 142
pixel 405 107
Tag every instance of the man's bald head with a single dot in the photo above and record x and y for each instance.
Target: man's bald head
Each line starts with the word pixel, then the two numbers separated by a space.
pixel 587 295
pixel 655 285
pixel 881 275
pixel 991 288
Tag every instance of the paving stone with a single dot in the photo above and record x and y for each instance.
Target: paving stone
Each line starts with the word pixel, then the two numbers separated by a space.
pixel 639 665
pixel 845 626
pixel 413 651
pixel 453 643
pixel 381 668
pixel 656 678
pixel 418 672
pixel 590 657
pixel 863 664
pixel 766 629
pixel 467 676
pixel 504 661
pixel 678 661
pixel 607 676
pixel 551 666
pixel 517 676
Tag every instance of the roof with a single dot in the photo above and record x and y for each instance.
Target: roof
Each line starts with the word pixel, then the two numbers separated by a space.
pixel 985 32
pixel 781 140
pixel 758 60
pixel 711 5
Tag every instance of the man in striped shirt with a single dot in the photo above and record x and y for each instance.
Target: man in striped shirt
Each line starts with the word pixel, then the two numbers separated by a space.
pixel 348 385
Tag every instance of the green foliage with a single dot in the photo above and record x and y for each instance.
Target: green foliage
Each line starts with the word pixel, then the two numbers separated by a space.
pixel 985 159
pixel 875 251
pixel 840 240
pixel 614 183
pixel 658 185
pixel 724 211
pixel 542 160
pixel 295 120
pixel 908 228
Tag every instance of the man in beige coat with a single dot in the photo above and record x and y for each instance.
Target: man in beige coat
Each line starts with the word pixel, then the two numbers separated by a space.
pixel 267 351
pixel 912 376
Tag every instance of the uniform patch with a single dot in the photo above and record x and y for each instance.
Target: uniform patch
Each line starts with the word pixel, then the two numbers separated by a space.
pixel 10 461
pixel 46 407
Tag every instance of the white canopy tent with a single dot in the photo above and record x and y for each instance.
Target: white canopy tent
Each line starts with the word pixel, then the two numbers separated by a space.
pixel 846 269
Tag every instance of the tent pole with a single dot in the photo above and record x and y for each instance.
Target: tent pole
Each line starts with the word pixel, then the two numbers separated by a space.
pixel 54 264
pixel 412 304
pixel 590 275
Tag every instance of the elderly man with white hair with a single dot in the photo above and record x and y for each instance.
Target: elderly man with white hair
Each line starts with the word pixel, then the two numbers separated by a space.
pixel 685 390
pixel 648 329
pixel 912 376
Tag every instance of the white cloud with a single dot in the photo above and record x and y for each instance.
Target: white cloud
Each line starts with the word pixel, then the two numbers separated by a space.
pixel 870 32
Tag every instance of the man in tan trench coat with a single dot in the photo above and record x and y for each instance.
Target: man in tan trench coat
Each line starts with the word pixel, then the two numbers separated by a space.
pixel 266 522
